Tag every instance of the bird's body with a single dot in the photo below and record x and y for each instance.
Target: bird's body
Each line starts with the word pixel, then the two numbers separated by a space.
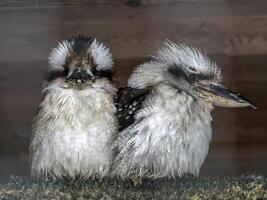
pixel 76 124
pixel 165 124
pixel 165 139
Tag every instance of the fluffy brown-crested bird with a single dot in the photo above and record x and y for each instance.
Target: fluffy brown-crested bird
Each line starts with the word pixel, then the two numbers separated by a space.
pixel 73 131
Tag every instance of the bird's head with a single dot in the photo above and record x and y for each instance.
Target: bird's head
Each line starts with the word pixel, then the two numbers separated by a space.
pixel 190 70
pixel 79 62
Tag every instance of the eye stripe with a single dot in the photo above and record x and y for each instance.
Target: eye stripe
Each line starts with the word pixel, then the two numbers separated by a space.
pixel 189 76
pixel 104 74
pixel 52 75
pixel 176 71
pixel 192 69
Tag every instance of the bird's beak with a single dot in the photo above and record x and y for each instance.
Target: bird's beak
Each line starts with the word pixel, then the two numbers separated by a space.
pixel 220 96
pixel 80 76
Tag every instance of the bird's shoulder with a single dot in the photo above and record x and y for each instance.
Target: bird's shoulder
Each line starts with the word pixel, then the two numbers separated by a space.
pixel 129 102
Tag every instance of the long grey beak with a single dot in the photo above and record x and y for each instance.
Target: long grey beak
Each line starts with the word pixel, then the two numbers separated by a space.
pixel 221 96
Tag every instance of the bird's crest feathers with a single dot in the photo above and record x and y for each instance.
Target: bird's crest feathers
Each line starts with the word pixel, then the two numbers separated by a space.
pixel 101 54
pixel 187 57
pixel 180 56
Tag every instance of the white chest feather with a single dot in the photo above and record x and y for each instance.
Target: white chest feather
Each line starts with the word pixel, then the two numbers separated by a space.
pixel 172 137
pixel 73 132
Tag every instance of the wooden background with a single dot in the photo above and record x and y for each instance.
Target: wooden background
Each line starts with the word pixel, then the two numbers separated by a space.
pixel 233 33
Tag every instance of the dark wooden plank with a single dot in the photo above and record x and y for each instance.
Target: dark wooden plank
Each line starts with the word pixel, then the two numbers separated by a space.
pixel 179 7
pixel 234 160
pixel 133 33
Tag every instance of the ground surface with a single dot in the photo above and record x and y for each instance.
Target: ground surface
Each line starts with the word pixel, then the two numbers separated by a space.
pixel 244 187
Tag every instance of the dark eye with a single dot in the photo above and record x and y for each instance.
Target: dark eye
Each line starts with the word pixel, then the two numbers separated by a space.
pixel 193 77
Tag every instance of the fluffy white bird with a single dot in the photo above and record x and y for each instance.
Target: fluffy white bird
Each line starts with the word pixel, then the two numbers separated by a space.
pixel 75 126
pixel 165 114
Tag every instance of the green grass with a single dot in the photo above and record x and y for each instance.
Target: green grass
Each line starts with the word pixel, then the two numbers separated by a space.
pixel 244 187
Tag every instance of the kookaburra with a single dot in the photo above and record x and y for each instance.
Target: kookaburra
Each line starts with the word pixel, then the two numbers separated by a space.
pixel 165 114
pixel 73 131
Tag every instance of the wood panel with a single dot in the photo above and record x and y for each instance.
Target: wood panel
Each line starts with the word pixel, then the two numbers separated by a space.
pixel 218 27
pixel 233 160
pixel 234 33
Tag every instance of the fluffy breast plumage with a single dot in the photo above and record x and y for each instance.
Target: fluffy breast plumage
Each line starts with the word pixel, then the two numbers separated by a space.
pixel 73 132
pixel 169 136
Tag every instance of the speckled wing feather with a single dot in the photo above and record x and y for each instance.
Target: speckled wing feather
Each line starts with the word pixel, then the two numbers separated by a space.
pixel 129 101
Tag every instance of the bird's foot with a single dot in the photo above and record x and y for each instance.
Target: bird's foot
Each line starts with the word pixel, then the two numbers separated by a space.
pixel 136 180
